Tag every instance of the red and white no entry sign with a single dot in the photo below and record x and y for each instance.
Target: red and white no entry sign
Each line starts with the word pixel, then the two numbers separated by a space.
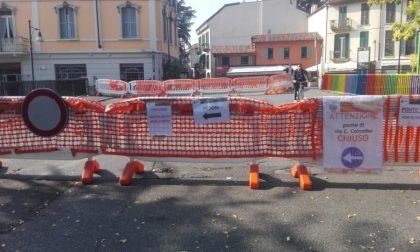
pixel 44 112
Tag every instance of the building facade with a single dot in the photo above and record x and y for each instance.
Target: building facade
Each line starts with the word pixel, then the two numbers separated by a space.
pixel 121 39
pixel 288 49
pixel 235 23
pixel 354 31
pixel 227 56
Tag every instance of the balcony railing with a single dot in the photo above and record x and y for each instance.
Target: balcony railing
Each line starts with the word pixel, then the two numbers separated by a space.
pixel 338 26
pixel 339 57
pixel 14 46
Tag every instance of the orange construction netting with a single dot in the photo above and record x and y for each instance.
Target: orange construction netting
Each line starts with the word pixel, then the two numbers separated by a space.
pixel 256 129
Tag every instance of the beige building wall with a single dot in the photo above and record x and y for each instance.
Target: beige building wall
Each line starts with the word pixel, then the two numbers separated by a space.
pixel 99 46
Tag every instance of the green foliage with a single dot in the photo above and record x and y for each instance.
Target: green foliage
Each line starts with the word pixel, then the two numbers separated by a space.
pixel 184 23
pixel 413 63
pixel 172 68
pixel 404 31
pixel 185 15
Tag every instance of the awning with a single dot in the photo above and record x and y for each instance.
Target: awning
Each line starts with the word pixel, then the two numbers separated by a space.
pixel 335 67
pixel 255 70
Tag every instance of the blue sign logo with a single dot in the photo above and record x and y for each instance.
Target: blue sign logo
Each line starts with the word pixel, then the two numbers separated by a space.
pixel 352 157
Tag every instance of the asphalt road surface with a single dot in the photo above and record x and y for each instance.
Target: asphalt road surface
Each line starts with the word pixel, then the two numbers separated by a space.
pixel 190 206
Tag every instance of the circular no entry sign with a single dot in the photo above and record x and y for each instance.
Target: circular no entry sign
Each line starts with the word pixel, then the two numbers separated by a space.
pixel 44 112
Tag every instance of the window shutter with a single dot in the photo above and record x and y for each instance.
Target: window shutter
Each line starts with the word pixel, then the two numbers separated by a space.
pixel 309 52
pixel 281 53
pixel 63 28
pixel 71 23
pixel 347 45
pixel 266 53
pixel 336 46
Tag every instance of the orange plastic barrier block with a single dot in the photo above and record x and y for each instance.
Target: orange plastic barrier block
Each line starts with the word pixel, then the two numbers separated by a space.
pixel 95 166
pixel 127 175
pixel 138 167
pixel 294 171
pixel 254 180
pixel 87 175
pixel 300 171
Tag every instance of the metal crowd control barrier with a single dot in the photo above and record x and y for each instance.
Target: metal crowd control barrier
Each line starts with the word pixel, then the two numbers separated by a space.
pixel 111 87
pixel 372 84
pixel 254 130
pixel 180 87
pixel 141 88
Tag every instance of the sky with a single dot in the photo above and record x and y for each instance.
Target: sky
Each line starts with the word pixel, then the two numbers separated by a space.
pixel 205 9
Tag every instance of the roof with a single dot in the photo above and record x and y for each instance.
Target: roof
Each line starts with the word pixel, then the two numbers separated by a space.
pixel 234 49
pixel 285 37
pixel 336 2
pixel 255 70
pixel 217 12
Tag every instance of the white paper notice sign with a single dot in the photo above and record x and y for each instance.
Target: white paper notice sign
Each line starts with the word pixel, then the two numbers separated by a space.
pixel 409 112
pixel 211 110
pixel 159 118
pixel 353 133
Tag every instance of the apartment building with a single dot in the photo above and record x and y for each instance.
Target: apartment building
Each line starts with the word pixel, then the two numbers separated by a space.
pixel 234 24
pixel 354 31
pixel 119 39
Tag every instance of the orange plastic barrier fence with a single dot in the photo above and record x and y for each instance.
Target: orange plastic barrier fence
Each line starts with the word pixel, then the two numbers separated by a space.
pixel 141 88
pixel 279 84
pixel 214 85
pixel 107 87
pixel 180 87
pixel 256 129
pixel 250 84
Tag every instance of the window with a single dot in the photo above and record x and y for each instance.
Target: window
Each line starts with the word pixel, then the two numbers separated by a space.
pixel 130 72
pixel 6 24
pixel 165 32
pixel 70 72
pixel 268 53
pixel 389 44
pixel 225 61
pixel 390 13
pixel 410 16
pixel 67 23
pixel 305 52
pixel 365 14
pixel 285 53
pixel 129 22
pixel 341 46
pixel 364 39
pixel 342 16
pixel 408 47
pixel 244 60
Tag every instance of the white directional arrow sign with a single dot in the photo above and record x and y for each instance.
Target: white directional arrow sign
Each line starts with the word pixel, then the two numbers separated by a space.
pixel 211 110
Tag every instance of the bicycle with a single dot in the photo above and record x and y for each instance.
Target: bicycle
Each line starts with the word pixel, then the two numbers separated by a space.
pixel 300 94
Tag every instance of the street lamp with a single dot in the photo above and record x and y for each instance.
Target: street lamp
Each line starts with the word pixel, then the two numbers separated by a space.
pixel 38 38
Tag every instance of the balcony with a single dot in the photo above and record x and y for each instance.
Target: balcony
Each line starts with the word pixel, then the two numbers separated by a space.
pixel 342 26
pixel 339 57
pixel 14 46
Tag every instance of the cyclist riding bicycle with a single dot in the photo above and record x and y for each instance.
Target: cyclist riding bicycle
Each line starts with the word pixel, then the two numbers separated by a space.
pixel 299 77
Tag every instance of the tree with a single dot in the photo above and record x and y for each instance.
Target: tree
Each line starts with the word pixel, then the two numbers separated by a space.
pixel 185 15
pixel 305 5
pixel 404 31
